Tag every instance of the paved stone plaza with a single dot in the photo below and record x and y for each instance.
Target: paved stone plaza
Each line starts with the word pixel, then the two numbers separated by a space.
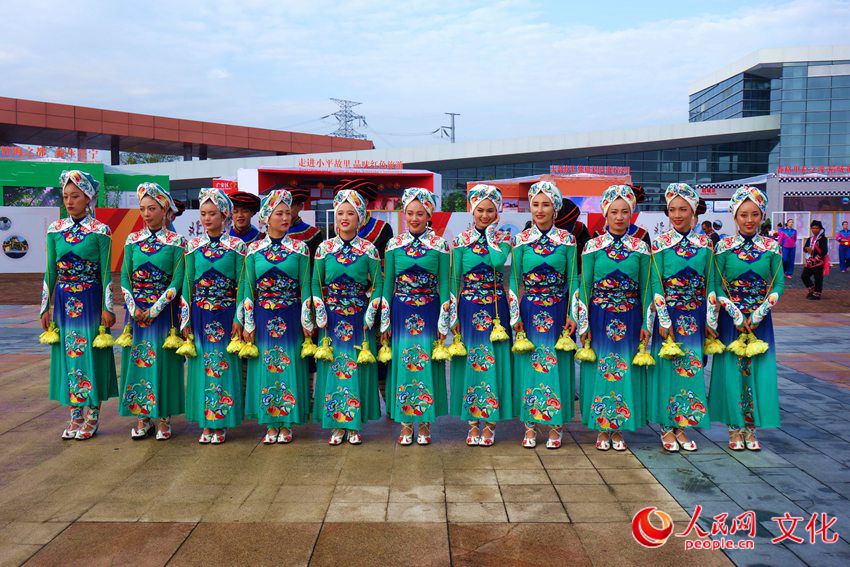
pixel 114 501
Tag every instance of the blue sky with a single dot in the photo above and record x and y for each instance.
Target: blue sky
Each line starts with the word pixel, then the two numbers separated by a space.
pixel 511 68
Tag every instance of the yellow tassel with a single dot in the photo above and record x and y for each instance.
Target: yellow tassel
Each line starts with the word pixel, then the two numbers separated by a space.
pixel 670 349
pixel 565 342
pixel 713 346
pixel 365 356
pixel 457 348
pixel 440 353
pixel 103 339
pixel 249 350
pixel 498 333
pixel 125 339
pixel 188 349
pixel 50 336
pixel 325 351
pixel 585 353
pixel 308 348
pixel 756 346
pixel 235 345
pixel 739 345
pixel 385 353
pixel 172 341
pixel 522 344
pixel 643 358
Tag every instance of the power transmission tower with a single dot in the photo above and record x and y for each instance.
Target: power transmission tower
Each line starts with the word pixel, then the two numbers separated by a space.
pixel 346 118
pixel 449 131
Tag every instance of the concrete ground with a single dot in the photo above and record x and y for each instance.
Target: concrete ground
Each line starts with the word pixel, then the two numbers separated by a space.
pixel 111 500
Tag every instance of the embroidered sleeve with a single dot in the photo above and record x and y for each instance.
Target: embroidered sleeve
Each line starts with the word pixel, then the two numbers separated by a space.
pixel 169 294
pixel 444 267
pixel 513 283
pixel 316 285
pixel 375 299
pixel 186 295
pixel 389 285
pixel 50 275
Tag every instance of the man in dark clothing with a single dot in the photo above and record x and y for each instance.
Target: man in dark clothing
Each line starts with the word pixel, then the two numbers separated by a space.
pixel 816 248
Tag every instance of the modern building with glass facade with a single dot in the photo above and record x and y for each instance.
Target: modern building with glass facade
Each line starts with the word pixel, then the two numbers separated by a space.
pixel 774 107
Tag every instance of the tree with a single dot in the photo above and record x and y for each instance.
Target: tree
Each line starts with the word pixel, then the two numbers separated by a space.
pixel 130 158
pixel 454 201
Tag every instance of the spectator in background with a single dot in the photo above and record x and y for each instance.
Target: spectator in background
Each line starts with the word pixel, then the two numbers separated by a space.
pixel 843 238
pixel 708 230
pixel 816 248
pixel 717 225
pixel 788 243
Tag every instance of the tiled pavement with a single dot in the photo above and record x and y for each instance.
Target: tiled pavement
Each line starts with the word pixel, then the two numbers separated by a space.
pixel 111 500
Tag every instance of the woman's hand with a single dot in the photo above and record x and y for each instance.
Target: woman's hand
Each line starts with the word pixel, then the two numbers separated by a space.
pixel 45 320
pixel 236 329
pixel 751 326
pixel 307 334
pixel 187 331
pixel 386 336
pixel 664 332
pixel 645 336
pixel 518 327
pixel 710 333
pixel 107 319
pixel 456 328
pixel 585 337
pixel 248 337
pixel 441 337
pixel 570 327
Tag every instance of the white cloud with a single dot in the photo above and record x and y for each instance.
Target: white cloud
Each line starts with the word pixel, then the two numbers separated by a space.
pixel 510 68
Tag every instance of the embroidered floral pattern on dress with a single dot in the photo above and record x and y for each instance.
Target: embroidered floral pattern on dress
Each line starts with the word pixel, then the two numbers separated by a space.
pixel 618 250
pixel 414 398
pixel 543 246
pixel 543 285
pixel 214 291
pixel 277 400
pixel 79 386
pixel 143 354
pixel 76 275
pixel 688 365
pixel 213 251
pixel 344 331
pixel 481 358
pixel 482 320
pixel 416 286
pixel 542 321
pixel 343 366
pixel 149 282
pixel 613 367
pixel 215 363
pixel 611 411
pixel 73 307
pixel 346 296
pixel 414 358
pixel 615 330
pixel 275 253
pixel 617 293
pixel 748 252
pixel 139 398
pixel 276 359
pixel 75 234
pixel 747 291
pixel 150 246
pixel 685 290
pixel 342 405
pixel 414 324
pixel 686 409
pixel 480 287
pixel 276 290
pixel 480 400
pixel 75 344
pixel 346 255
pixel 543 359
pixel 541 403
pixel 214 332
pixel 685 249
pixel 416 249
pixel 686 325
pixel 217 402
pixel 276 327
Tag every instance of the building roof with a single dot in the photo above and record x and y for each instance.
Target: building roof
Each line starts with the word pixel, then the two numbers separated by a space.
pixel 469 154
pixel 48 124
pixel 772 57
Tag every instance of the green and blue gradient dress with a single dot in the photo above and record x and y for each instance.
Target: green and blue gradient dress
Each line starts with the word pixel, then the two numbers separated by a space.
pixel 543 266
pixel 151 278
pixel 77 279
pixel 415 305
pixel 750 280
pixel 209 305
pixel 611 302
pixel 346 286
pixel 481 382
pixel 275 293
pixel 685 303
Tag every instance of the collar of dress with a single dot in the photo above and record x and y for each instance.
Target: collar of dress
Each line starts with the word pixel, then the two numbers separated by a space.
pixel 672 237
pixel 429 239
pixel 163 235
pixel 286 243
pixel 229 242
pixel 533 234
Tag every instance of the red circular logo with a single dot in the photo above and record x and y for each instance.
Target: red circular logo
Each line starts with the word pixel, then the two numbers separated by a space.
pixel 648 535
